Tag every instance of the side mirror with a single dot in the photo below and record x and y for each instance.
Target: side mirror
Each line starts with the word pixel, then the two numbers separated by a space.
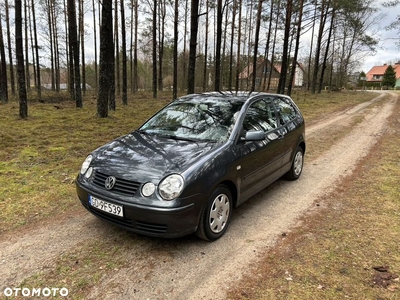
pixel 254 136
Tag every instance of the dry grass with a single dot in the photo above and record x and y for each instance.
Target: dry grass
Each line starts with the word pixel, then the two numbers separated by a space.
pixel 41 156
pixel 334 252
pixel 316 107
pixel 83 267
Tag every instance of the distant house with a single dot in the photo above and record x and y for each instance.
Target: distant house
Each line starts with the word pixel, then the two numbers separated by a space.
pixel 263 71
pixel 375 75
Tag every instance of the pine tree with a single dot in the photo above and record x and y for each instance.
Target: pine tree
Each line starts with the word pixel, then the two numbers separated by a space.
pixel 389 77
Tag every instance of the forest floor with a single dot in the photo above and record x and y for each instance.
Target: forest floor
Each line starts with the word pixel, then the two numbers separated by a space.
pixel 292 240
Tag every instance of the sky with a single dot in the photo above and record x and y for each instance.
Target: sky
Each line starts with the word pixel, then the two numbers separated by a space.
pixel 387 51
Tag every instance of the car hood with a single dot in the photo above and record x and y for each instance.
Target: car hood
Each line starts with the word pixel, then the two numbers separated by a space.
pixel 142 157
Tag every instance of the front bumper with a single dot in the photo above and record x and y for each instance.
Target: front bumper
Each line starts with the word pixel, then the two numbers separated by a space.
pixel 148 220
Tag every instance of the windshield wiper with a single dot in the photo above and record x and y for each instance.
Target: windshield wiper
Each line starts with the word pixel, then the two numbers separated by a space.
pixel 174 137
pixel 191 139
pixel 141 131
pixel 179 138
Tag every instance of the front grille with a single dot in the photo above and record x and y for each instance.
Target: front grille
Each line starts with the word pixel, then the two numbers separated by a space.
pixel 122 186
pixel 151 228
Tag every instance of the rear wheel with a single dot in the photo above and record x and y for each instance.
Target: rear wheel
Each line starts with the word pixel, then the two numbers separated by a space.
pixel 216 214
pixel 297 165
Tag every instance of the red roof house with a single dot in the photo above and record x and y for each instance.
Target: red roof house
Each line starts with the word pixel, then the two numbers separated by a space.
pixel 376 73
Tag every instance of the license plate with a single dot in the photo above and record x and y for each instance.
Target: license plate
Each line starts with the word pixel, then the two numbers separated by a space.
pixel 107 207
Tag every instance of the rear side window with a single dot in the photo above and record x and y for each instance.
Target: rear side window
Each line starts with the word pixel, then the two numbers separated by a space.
pixel 286 109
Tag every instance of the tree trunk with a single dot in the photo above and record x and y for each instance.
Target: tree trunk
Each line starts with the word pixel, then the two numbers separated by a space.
pixel 324 62
pixel 273 45
pixel 27 75
pixel 96 75
pixel 56 49
pixel 176 33
pixel 124 71
pixel 82 43
pixel 248 34
pixel 135 51
pixel 185 67
pixel 131 48
pixel 238 64
pixel 266 52
pixel 205 69
pixel 116 42
pixel 318 49
pixel 296 50
pixel 311 48
pixel 161 43
pixel 194 17
pixel 154 49
pixel 230 78
pixel 223 78
pixel 32 47
pixel 106 59
pixel 256 38
pixel 12 78
pixel 284 63
pixel 332 61
pixel 19 50
pixel 3 69
pixel 74 55
pixel 50 28
pixel 217 79
pixel 70 64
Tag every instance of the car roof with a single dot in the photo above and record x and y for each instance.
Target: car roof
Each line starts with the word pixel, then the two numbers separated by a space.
pixel 240 96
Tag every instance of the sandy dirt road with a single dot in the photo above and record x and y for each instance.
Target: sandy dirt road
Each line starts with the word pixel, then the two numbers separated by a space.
pixel 188 268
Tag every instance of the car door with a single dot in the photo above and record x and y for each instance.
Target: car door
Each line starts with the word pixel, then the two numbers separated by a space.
pixel 289 124
pixel 261 160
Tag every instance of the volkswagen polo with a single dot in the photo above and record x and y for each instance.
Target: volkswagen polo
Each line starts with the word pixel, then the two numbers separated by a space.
pixel 187 167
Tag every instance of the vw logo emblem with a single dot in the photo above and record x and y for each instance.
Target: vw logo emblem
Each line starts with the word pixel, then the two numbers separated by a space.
pixel 110 182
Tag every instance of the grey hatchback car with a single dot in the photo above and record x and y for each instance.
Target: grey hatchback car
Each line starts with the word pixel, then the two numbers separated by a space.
pixel 186 168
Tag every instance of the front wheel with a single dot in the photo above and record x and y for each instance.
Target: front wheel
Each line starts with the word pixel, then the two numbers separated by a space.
pixel 216 214
pixel 297 165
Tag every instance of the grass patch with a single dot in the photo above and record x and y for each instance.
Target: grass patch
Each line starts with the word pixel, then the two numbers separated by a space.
pixel 41 156
pixel 316 107
pixel 81 269
pixel 348 247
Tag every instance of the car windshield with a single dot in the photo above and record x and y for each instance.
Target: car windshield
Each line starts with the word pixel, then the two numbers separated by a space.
pixel 208 120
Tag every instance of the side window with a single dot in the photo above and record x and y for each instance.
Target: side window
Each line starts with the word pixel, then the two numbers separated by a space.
pixel 260 117
pixel 286 109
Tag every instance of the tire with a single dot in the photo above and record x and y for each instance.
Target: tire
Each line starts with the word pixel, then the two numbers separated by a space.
pixel 216 214
pixel 297 165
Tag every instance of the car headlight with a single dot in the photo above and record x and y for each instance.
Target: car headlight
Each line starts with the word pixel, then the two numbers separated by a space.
pixel 171 187
pixel 86 164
